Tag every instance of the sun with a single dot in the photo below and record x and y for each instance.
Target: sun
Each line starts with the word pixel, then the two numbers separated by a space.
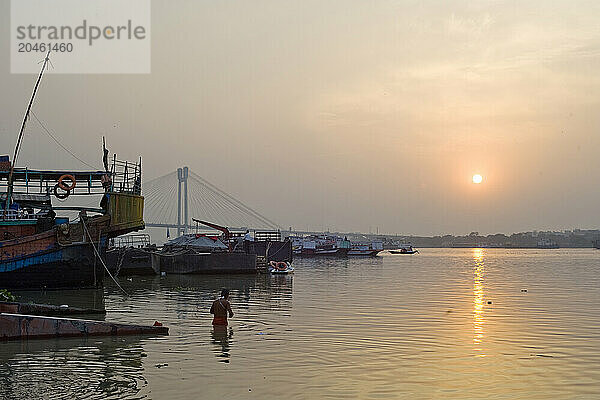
pixel 477 178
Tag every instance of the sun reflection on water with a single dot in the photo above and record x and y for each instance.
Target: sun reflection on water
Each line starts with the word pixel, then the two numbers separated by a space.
pixel 478 301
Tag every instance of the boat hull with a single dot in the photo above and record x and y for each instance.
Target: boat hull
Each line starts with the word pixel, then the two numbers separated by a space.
pixel 191 262
pixel 130 261
pixel 287 271
pixel 72 266
pixel 320 253
pixel 403 252
pixel 364 253
pixel 279 251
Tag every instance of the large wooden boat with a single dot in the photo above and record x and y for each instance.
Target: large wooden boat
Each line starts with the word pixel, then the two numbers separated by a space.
pixel 39 249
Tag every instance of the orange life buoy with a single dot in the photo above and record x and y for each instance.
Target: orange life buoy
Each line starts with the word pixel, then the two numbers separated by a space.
pixel 62 184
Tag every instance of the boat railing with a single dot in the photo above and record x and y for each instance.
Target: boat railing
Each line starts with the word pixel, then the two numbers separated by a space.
pixel 12 215
pixel 135 240
pixel 123 177
pixel 42 182
pixel 126 176
pixel 267 236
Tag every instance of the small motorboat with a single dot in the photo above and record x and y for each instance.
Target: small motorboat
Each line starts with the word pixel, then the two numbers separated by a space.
pixel 405 249
pixel 280 268
pixel 402 251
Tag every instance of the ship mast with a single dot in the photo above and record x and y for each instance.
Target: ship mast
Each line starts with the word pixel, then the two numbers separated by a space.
pixel 9 191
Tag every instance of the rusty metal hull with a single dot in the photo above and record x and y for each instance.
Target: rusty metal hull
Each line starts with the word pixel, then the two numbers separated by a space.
pixel 71 266
pixel 19 326
pixel 278 250
pixel 190 262
pixel 130 261
pixel 12 307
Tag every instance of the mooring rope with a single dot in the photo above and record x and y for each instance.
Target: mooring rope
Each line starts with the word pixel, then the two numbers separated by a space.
pixel 100 258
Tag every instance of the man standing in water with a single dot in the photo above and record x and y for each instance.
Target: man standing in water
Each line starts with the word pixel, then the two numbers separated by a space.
pixel 220 308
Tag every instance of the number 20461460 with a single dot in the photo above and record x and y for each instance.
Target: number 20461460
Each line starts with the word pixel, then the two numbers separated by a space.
pixel 23 47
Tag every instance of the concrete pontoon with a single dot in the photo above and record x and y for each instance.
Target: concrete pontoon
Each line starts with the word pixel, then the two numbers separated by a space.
pixel 20 326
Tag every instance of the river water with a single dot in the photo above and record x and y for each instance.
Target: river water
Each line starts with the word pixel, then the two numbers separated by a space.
pixel 445 323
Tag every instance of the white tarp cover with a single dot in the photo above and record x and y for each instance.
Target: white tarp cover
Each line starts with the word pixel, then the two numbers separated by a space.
pixel 199 241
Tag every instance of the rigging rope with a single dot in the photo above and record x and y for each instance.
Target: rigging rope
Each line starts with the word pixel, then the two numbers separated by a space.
pixel 205 200
pixel 58 142
pixel 100 258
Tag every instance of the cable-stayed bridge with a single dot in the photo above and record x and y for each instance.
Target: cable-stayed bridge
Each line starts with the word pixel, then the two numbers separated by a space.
pixel 173 199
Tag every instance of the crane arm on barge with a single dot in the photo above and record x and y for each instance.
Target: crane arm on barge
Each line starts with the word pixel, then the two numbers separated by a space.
pixel 223 229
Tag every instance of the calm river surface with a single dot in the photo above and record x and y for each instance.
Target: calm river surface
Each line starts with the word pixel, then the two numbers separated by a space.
pixel 445 323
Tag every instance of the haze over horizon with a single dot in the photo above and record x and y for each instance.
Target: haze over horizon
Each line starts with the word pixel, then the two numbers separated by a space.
pixel 348 115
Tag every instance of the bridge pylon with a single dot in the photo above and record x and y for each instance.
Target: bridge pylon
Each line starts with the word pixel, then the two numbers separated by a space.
pixel 182 203
pixel 197 197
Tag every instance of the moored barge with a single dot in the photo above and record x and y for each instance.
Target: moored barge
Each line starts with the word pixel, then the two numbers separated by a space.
pixel 228 252
pixel 131 255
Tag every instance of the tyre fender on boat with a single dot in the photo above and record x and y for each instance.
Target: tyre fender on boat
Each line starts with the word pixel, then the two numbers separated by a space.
pixel 63 195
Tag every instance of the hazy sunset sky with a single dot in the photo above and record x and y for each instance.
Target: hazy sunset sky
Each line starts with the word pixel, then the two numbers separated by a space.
pixel 349 115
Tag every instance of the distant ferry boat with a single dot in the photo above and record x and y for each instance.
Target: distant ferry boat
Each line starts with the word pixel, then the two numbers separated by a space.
pixel 547 244
pixel 320 245
pixel 366 249
pixel 596 243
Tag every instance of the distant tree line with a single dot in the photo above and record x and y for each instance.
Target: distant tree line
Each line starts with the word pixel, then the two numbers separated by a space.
pixel 571 239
